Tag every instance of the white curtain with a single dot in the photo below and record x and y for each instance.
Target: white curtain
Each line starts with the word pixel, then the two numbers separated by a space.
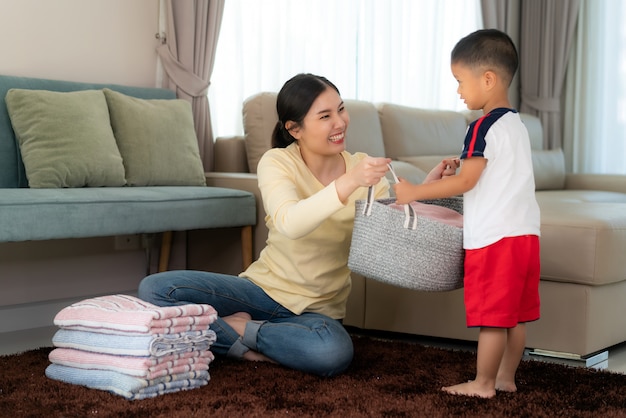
pixel 381 51
pixel 595 102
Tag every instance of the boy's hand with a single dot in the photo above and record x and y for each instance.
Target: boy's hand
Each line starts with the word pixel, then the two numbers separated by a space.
pixel 445 168
pixel 450 164
pixel 404 191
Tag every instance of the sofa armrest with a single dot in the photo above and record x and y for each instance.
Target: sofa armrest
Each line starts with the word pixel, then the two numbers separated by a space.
pixel 247 182
pixel 229 155
pixel 607 182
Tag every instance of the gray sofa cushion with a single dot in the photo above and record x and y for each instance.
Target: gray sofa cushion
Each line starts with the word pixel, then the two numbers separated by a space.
pixel 40 214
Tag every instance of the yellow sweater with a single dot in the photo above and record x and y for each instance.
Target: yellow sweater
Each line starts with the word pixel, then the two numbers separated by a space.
pixel 304 265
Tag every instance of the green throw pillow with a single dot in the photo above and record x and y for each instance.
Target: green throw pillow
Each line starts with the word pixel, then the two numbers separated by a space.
pixel 157 140
pixel 65 138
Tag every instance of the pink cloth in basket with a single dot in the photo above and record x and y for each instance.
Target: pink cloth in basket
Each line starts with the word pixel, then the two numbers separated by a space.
pixel 439 213
pixel 127 314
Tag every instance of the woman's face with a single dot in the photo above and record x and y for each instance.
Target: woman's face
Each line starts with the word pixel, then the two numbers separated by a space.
pixel 323 129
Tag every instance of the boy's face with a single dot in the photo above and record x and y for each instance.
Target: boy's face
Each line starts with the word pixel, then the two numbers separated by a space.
pixel 471 85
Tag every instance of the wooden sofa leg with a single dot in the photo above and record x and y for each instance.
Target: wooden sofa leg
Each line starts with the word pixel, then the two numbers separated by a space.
pixel 246 245
pixel 166 249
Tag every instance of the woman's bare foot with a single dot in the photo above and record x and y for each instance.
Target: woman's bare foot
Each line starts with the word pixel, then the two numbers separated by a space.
pixel 470 388
pixel 238 322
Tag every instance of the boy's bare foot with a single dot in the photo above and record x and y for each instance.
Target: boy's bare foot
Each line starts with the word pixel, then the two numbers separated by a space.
pixel 506 386
pixel 470 388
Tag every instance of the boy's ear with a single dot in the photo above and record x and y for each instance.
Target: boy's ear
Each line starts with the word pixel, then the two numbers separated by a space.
pixel 490 78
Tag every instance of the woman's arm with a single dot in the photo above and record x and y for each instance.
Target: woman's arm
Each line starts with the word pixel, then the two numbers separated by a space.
pixel 292 214
pixel 295 215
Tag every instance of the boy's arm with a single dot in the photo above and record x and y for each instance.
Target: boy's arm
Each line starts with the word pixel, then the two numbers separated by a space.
pixel 468 176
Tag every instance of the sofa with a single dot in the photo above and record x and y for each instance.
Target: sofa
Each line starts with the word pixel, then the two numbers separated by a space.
pixel 583 227
pixel 82 160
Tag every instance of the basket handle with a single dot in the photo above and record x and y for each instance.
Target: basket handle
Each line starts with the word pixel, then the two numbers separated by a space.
pixel 410 217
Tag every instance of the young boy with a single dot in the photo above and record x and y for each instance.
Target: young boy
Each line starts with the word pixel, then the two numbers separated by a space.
pixel 501 215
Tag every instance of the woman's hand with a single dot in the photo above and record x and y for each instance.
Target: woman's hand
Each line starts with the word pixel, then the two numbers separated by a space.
pixel 370 170
pixel 445 168
pixel 367 172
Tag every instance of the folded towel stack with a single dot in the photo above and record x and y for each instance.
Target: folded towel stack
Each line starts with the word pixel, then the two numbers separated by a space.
pixel 132 348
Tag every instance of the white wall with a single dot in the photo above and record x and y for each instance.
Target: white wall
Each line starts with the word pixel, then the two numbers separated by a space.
pixel 103 41
pixel 100 41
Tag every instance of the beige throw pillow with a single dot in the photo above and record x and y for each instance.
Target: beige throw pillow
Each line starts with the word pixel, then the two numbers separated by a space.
pixel 157 140
pixel 65 138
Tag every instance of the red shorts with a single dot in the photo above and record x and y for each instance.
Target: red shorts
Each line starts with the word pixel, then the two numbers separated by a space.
pixel 502 283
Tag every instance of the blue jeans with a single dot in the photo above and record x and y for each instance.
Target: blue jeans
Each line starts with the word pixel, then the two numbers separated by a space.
pixel 309 342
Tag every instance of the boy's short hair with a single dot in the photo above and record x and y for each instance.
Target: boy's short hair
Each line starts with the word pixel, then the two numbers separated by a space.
pixel 488 48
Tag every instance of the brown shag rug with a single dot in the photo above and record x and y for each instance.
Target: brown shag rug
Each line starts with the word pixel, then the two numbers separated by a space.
pixel 386 379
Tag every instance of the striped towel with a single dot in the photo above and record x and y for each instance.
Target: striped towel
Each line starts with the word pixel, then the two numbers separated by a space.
pixel 127 386
pixel 144 367
pixel 124 313
pixel 157 345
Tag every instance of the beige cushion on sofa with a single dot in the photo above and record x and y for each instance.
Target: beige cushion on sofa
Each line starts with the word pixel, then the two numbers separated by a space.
pixel 535 131
pixel 410 131
pixel 407 171
pixel 65 138
pixel 425 162
pixel 549 169
pixel 364 132
pixel 259 121
pixel 583 236
pixel 157 140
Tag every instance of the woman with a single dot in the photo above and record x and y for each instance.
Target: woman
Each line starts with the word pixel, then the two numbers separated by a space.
pixel 288 305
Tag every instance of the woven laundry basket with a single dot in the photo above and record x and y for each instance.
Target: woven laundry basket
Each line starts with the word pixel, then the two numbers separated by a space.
pixel 407 248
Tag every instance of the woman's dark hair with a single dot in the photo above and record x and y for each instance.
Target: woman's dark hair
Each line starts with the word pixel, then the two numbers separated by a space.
pixel 294 100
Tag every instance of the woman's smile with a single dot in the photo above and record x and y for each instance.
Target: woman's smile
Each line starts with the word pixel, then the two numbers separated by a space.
pixel 337 138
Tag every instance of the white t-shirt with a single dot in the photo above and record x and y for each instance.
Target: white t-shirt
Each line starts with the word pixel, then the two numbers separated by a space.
pixel 502 204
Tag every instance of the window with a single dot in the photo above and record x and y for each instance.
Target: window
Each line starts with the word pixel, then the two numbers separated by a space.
pixel 381 51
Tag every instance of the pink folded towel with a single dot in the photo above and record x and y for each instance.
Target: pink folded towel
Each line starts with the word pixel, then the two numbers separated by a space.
pixel 128 314
pixel 144 367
